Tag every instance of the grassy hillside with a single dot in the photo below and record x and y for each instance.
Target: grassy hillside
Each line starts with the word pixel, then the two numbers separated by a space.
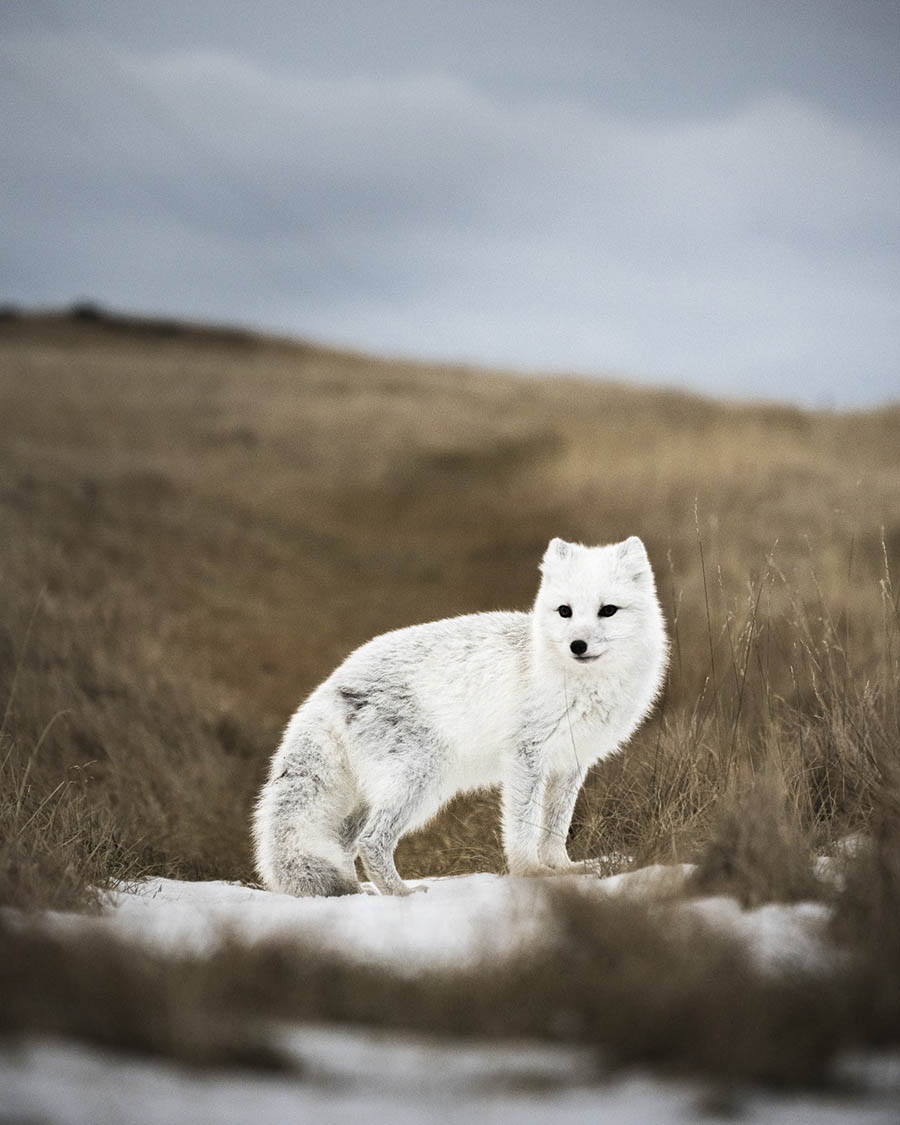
pixel 197 525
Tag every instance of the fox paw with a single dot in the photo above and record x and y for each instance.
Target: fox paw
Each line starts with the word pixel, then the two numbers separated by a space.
pixel 577 867
pixel 533 870
pixel 406 889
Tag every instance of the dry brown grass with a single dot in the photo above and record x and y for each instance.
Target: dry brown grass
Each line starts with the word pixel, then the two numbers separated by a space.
pixel 195 526
pixel 203 523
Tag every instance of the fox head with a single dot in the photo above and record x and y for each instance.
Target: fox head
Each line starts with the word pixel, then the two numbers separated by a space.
pixel 596 606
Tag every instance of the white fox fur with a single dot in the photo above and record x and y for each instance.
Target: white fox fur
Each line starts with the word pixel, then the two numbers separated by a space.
pixel 420 714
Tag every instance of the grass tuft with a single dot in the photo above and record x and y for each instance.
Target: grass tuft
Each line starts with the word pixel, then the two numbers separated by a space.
pixel 758 851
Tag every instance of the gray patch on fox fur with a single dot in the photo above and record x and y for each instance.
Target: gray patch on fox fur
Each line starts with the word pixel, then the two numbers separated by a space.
pixel 305 782
pixel 351 827
pixel 354 702
pixel 384 718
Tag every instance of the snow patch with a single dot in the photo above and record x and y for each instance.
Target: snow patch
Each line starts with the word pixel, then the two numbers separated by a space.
pixel 349 1076
pixel 780 937
pixel 464 920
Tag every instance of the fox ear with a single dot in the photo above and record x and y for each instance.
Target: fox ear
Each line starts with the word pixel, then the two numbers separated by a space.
pixel 632 554
pixel 557 550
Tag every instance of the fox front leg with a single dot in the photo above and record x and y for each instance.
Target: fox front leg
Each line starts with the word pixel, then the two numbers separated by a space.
pixel 523 793
pixel 560 793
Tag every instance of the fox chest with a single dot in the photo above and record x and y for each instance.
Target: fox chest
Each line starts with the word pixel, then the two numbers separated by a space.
pixel 589 729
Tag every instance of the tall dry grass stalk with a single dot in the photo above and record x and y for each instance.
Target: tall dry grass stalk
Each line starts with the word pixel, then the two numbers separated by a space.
pixel 58 849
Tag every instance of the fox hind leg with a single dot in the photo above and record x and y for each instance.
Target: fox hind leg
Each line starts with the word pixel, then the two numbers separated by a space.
pixel 380 837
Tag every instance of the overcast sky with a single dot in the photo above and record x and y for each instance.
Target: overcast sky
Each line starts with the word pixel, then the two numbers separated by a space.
pixel 705 194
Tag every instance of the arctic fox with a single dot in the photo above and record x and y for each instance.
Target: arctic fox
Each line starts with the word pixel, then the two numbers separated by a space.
pixel 528 701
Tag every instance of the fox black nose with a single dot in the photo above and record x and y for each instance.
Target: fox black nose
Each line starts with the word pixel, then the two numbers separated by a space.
pixel 578 647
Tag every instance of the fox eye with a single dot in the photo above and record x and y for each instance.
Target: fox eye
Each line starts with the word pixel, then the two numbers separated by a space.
pixel 607 610
pixel 564 611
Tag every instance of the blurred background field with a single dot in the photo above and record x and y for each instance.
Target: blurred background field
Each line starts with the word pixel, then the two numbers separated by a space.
pixel 197 524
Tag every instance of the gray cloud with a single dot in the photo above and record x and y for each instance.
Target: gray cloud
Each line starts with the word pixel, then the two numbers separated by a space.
pixel 510 188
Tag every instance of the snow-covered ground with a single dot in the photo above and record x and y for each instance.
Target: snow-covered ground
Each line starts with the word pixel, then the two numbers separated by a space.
pixel 461 920
pixel 350 1076
pixel 343 1074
